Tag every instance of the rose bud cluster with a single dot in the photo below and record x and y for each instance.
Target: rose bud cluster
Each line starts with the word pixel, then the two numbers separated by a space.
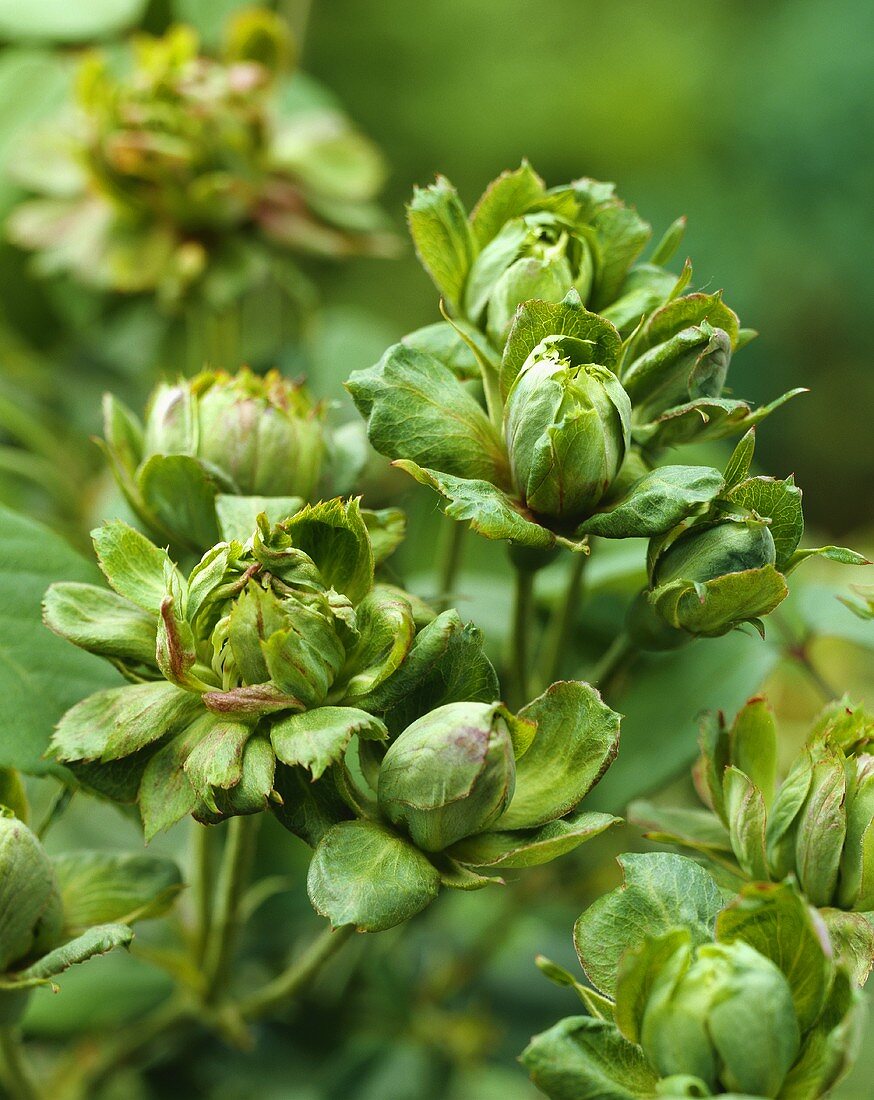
pixel 693 994
pixel 187 176
pixel 211 438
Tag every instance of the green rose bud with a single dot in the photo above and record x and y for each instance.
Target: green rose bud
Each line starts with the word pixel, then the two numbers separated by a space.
pixel 705 553
pixel 449 775
pixel 693 363
pixel 567 429
pixel 30 902
pixel 264 434
pixel 725 1016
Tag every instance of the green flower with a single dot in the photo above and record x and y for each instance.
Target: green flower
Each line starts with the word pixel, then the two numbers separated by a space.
pixel 725 564
pixel 279 648
pixel 190 175
pixel 449 775
pixel 567 427
pixel 216 436
pixel 691 996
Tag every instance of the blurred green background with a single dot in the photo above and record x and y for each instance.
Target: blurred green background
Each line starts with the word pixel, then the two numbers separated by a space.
pixel 753 119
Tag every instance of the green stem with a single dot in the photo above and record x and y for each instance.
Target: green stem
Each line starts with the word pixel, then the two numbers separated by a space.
pixel 523 624
pixel 450 565
pixel 563 620
pixel 622 650
pixel 236 860
pixel 801 655
pixel 494 404
pixel 202 851
pixel 298 976
pixel 16 1075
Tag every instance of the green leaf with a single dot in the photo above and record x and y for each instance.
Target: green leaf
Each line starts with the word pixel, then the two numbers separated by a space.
pixel 822 829
pixel 446 664
pixel 101 622
pixel 115 723
pixel 444 342
pixel 490 511
pixel 738 467
pixel 96 941
pixel 384 620
pixel 831 1047
pixel 530 847
pixel 386 528
pixel 237 516
pixel 840 554
pixel 180 491
pixel 661 892
pixel 13 794
pixel 366 875
pixel 581 1058
pixel 104 887
pixel 745 808
pixel 417 409
pixel 577 737
pixel 40 675
pixel 216 760
pixel 656 503
pixel 512 194
pixel 778 923
pixel 334 535
pixel 308 809
pixel 536 320
pixel 31 917
pixel 442 236
pixel 683 313
pixel 698 830
pixel 779 501
pixel 133 565
pixel 709 418
pixel 712 608
pixel 852 937
pixel 318 738
pixel 643 968
pixel 753 745
pixel 251 795
pixel 621 235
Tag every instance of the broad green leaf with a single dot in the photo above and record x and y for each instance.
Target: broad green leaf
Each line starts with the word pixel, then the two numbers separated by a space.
pixel 582 1058
pixel 446 664
pixel 417 409
pixel 490 511
pixel 577 737
pixel 308 809
pixel 840 554
pixel 318 738
pixel 745 809
pixel 101 622
pixel 237 516
pixel 216 760
pixel 40 675
pixel 445 343
pixel 180 491
pixel 96 941
pixel 778 922
pixel 442 236
pixel 512 194
pixel 13 794
pixel 133 565
pixel 115 723
pixel 56 21
pixel 104 887
pixel 709 418
pixel 530 847
pixel 621 235
pixel 251 795
pixel 536 320
pixel 731 598
pixel 165 792
pixel 661 892
pixel 683 313
pixel 366 875
pixel 384 620
pixel 753 741
pixel 642 967
pixel 782 817
pixel 334 535
pixel 779 501
pixel 656 503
